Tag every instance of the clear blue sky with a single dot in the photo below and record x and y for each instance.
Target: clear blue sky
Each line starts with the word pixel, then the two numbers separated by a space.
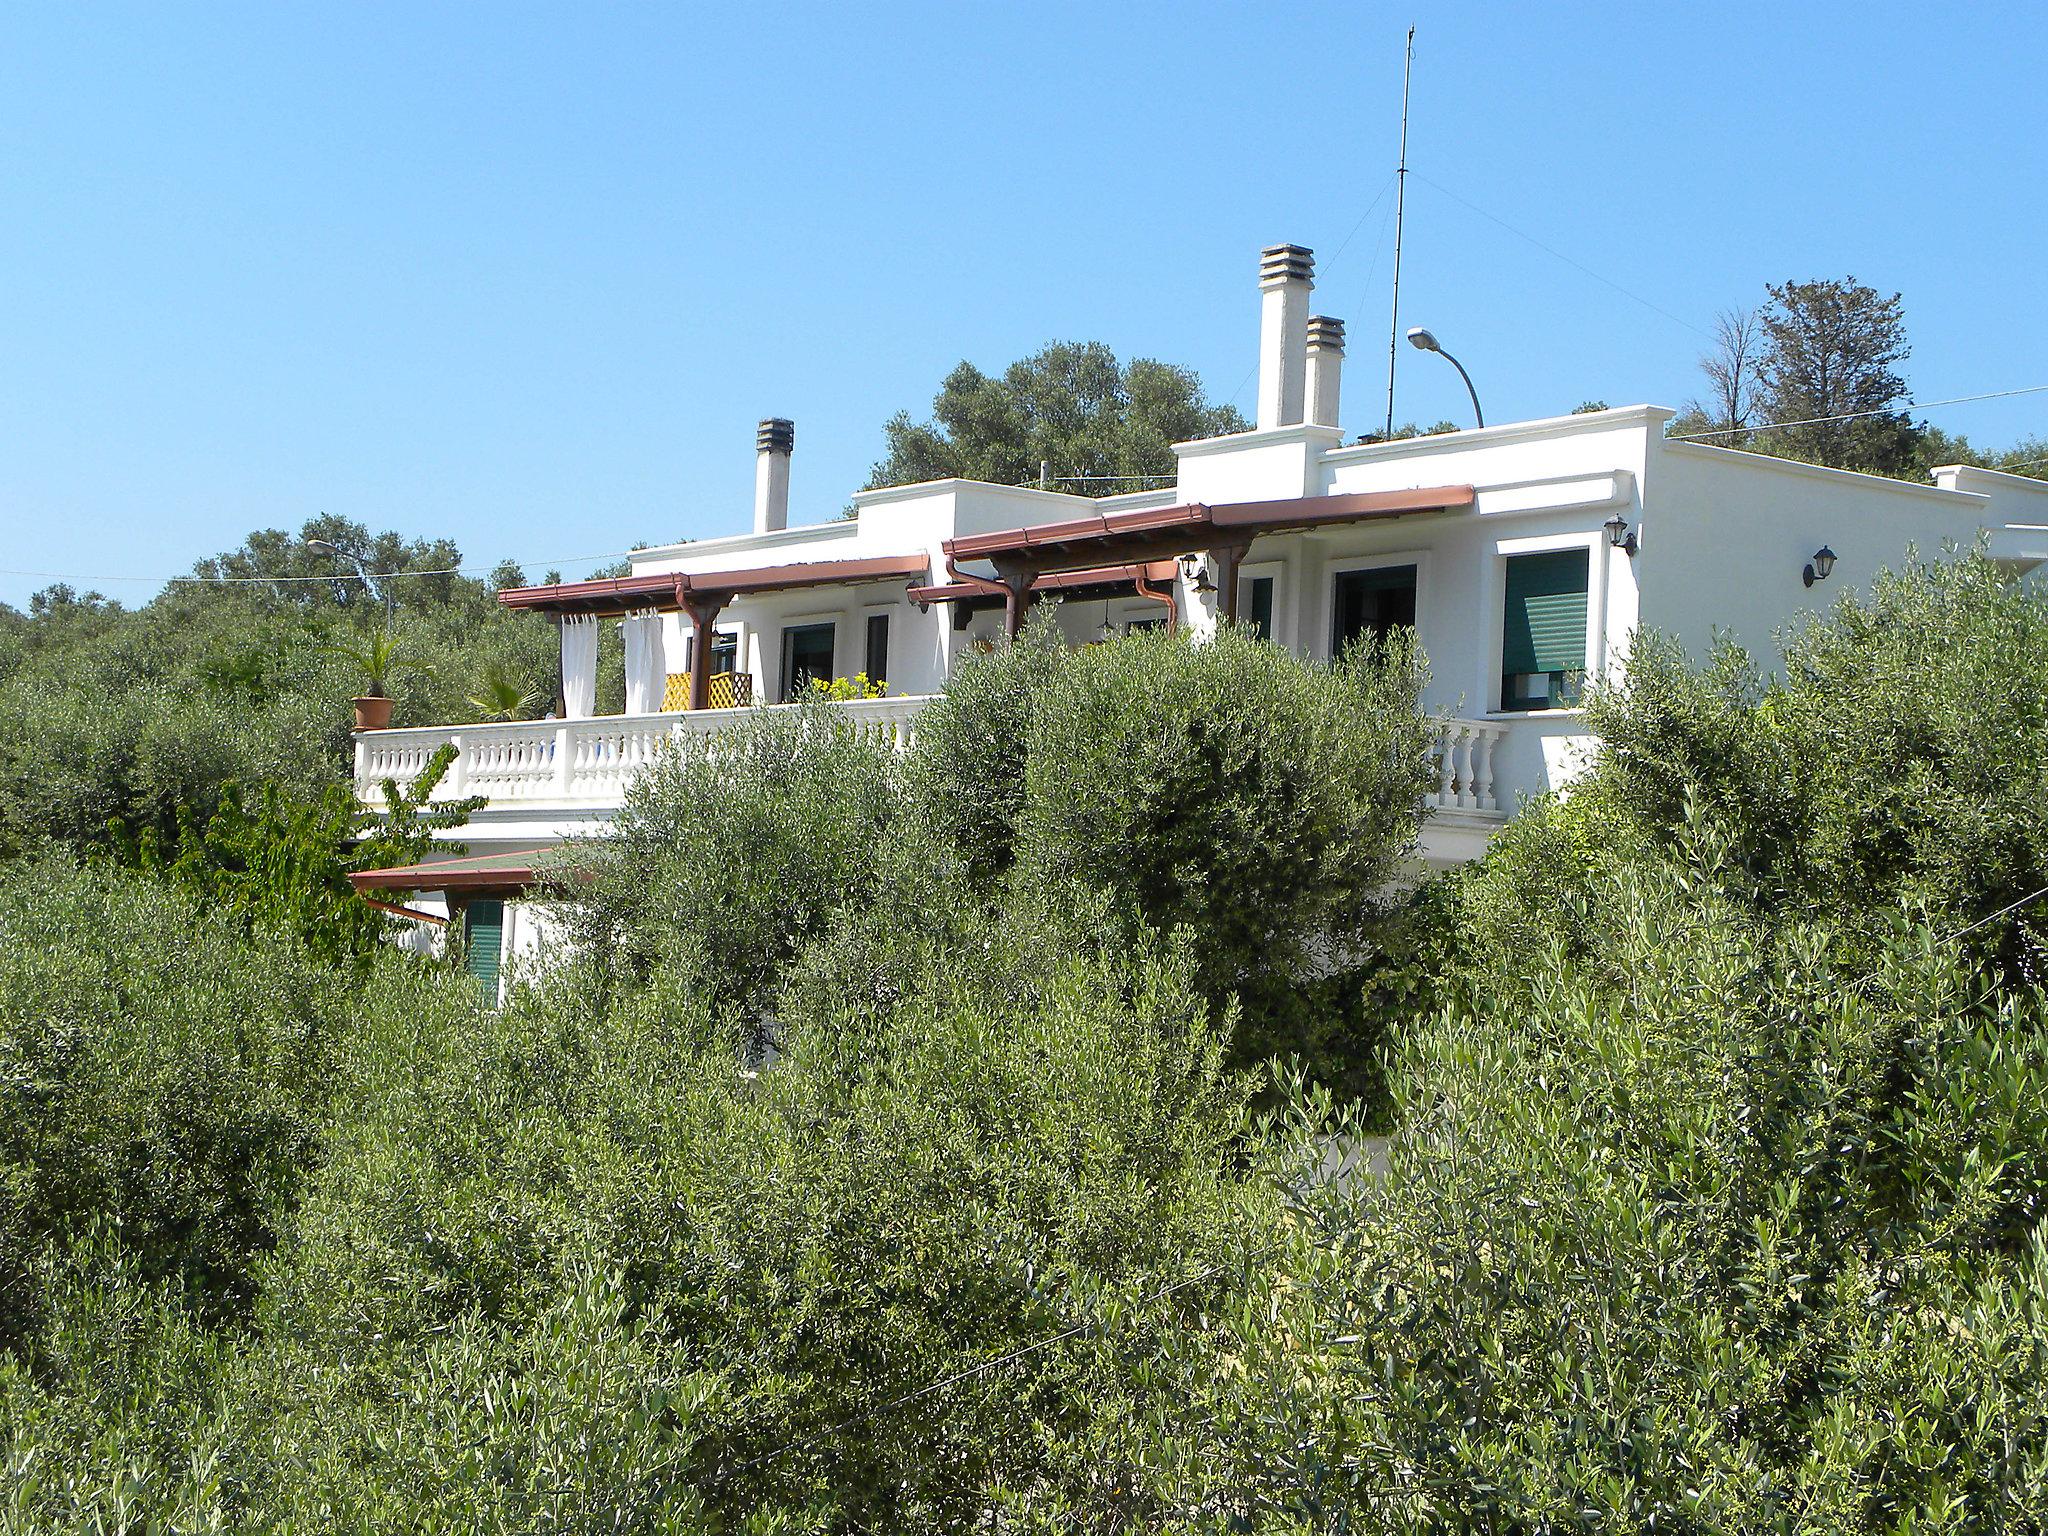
pixel 526 276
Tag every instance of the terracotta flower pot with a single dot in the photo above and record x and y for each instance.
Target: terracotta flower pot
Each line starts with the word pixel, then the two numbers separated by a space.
pixel 373 712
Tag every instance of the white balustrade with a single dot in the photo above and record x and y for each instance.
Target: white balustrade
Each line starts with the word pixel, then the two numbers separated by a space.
pixel 590 762
pixel 1463 753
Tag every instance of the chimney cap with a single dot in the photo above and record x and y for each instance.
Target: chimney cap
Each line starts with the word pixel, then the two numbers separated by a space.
pixel 1326 334
pixel 776 434
pixel 1285 263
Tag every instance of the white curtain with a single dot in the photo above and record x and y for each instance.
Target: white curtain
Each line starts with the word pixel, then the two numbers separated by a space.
pixel 579 667
pixel 646 665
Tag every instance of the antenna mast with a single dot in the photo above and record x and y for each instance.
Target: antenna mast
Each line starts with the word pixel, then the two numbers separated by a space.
pixel 1400 211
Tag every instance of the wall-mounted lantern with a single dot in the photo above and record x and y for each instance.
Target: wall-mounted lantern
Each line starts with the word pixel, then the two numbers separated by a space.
pixel 1197 570
pixel 1823 562
pixel 1620 535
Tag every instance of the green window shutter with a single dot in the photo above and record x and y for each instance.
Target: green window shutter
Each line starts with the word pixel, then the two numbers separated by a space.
pixel 1543 628
pixel 483 938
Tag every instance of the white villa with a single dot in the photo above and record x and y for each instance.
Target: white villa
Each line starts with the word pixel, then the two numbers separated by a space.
pixel 1523 555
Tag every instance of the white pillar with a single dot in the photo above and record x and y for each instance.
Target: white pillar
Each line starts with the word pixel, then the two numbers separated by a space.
pixel 1286 275
pixel 579 666
pixel 774 441
pixel 1325 367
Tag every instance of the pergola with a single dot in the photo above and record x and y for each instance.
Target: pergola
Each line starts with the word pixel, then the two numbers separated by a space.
pixel 969 594
pixel 703 596
pixel 1026 559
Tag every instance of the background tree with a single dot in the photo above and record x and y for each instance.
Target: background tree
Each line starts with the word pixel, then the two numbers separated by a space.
pixel 1830 349
pixel 1734 387
pixel 1072 406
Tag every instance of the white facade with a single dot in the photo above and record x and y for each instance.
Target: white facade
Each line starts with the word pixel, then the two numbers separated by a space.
pixel 1717 541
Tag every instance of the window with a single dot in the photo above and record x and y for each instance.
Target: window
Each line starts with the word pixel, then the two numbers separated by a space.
pixel 725 652
pixel 1543 630
pixel 878 648
pixel 806 657
pixel 1376 601
pixel 1258 608
pixel 483 938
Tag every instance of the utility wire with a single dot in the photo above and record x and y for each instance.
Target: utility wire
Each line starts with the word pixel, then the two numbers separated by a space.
pixel 1882 410
pixel 1569 261
pixel 446 570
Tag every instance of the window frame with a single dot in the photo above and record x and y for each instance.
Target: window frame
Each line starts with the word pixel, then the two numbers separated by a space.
pixel 1345 565
pixel 1495 653
pixel 784 631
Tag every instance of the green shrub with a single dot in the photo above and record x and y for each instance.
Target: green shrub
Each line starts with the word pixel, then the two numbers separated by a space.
pixel 163 1076
pixel 969 1177
pixel 1697 1231
pixel 1260 801
pixel 731 853
pixel 967 767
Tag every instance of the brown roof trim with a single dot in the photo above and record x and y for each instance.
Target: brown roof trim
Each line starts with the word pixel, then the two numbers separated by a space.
pixel 1151 532
pixel 485 873
pixel 1055 581
pixel 667 589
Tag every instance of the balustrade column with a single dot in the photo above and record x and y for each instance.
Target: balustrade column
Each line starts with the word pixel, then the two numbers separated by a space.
pixel 565 760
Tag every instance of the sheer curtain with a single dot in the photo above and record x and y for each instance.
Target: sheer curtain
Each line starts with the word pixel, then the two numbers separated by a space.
pixel 579 667
pixel 646 665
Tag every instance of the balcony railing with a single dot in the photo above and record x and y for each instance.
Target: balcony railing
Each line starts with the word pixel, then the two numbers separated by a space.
pixel 590 762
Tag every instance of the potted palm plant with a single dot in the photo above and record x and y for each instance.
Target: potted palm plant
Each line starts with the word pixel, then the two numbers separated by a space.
pixel 378 655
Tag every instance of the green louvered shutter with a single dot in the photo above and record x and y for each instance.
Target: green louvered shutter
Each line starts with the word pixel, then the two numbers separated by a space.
pixel 483 937
pixel 1543 631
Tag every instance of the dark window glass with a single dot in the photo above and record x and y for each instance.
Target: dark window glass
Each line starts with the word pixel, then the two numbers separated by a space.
pixel 1376 601
pixel 806 658
pixel 1543 630
pixel 725 653
pixel 1260 608
pixel 878 648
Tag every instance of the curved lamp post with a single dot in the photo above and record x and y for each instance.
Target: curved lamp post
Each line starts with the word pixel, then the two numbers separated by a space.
pixel 1420 337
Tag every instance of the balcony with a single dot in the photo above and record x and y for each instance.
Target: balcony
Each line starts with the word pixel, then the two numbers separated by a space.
pixel 579 769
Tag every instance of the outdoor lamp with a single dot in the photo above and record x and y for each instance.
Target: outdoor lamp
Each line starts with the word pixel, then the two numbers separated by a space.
pixel 1419 336
pixel 1620 535
pixel 1823 562
pixel 1198 570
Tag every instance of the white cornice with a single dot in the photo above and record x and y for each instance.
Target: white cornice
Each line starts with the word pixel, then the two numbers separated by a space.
pixel 1306 433
pixel 1955 501
pixel 1650 418
pixel 780 538
pixel 954 487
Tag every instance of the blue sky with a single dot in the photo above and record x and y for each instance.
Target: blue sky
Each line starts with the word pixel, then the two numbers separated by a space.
pixel 526 276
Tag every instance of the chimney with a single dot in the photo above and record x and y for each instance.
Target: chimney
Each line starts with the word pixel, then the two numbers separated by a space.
pixel 772 445
pixel 1285 278
pixel 1325 364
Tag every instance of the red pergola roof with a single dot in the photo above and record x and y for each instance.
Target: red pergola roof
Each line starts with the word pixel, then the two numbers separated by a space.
pixel 507 872
pixel 1081 583
pixel 666 590
pixel 1156 532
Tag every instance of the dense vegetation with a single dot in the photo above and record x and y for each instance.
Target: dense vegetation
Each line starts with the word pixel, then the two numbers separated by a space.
pixel 943 1141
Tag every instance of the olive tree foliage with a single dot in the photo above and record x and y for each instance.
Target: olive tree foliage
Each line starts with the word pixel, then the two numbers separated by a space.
pixel 731 854
pixel 1071 406
pixel 1721 1226
pixel 1894 759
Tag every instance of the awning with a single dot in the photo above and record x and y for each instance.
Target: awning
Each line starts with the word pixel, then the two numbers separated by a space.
pixel 1083 585
pixel 1156 533
pixel 672 590
pixel 509 872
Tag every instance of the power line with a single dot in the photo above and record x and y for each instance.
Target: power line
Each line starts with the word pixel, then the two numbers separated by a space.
pixel 1882 410
pixel 268 581
pixel 1569 261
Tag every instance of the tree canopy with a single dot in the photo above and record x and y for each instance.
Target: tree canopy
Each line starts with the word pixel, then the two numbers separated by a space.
pixel 1097 426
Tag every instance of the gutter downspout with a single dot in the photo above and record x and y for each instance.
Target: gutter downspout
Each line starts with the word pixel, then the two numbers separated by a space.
pixel 1145 589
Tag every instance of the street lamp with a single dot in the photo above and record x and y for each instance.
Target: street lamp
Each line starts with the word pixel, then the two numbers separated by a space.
pixel 1421 338
pixel 329 547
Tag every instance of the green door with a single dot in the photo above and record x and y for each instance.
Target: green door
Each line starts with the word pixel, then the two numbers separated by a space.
pixel 1543 630
pixel 483 941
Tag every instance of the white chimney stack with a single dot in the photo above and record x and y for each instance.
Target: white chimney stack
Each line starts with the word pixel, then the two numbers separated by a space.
pixel 1286 275
pixel 772 445
pixel 1325 365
